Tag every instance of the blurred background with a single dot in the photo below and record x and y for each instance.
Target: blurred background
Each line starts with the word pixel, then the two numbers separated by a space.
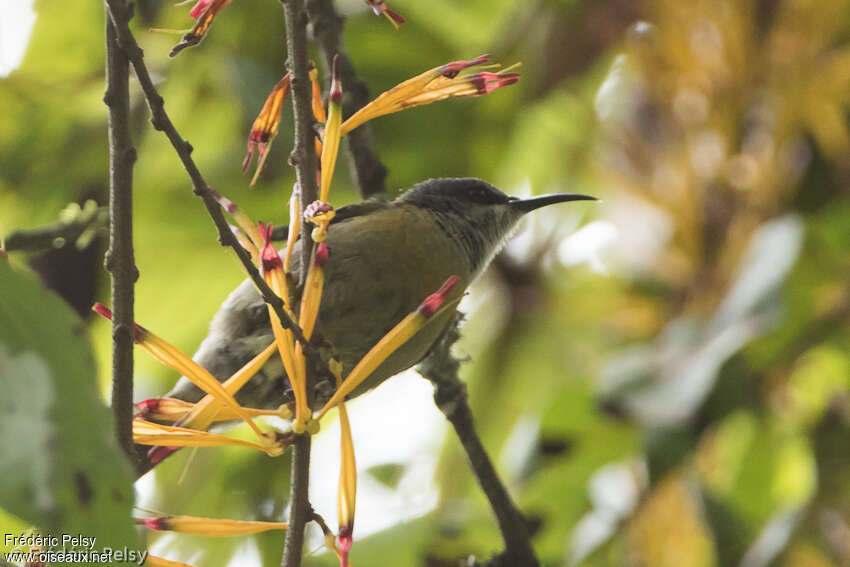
pixel 662 378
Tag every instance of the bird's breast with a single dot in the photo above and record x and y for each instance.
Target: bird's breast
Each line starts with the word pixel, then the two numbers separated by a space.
pixel 381 266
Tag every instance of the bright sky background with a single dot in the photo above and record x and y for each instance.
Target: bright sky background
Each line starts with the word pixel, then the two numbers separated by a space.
pixel 16 21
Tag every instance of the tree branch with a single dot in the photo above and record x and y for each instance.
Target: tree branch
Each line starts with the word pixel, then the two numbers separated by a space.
pixel 441 368
pixel 120 261
pixel 300 511
pixel 363 162
pixel 58 234
pixel 161 121
pixel 303 157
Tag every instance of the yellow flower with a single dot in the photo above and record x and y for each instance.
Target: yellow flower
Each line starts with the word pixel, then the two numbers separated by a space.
pixel 330 147
pixel 431 86
pixel 265 127
pixel 395 338
pixel 215 527
pixel 205 12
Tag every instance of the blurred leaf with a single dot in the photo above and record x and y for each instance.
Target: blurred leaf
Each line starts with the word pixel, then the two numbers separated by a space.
pixel 669 530
pixel 62 469
pixel 819 375
pixel 806 556
pixel 757 468
pixel 388 474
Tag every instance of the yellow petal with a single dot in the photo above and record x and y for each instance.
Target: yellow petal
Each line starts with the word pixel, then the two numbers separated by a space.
pixel 215 527
pixel 330 148
pixel 294 225
pixel 172 357
pixel 389 343
pixel 148 433
pixel 209 409
pixel 154 561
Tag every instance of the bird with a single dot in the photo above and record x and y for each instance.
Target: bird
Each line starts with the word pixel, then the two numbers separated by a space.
pixel 385 257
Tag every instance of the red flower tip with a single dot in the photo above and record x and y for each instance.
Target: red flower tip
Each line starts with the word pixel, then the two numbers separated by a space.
pixel 335 94
pixel 199 8
pixel 270 256
pixel 249 155
pixel 316 208
pixel 452 69
pixel 158 453
pixel 147 406
pixel 229 206
pixel 322 254
pixel 158 523
pixel 102 310
pixel 395 16
pixel 345 543
pixel 488 82
pixel 433 302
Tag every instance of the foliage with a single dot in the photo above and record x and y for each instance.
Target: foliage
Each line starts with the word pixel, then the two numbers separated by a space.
pixel 62 470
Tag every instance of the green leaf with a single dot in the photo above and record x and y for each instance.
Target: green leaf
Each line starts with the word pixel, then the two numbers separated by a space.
pixel 388 474
pixel 62 469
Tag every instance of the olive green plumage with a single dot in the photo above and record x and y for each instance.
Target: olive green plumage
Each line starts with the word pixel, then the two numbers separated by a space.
pixel 385 258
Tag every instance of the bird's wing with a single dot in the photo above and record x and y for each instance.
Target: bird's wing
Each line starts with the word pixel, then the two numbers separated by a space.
pixel 370 205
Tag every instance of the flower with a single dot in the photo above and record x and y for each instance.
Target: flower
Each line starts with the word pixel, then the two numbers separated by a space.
pixel 205 12
pixel 265 127
pixel 433 85
pixel 330 147
pixel 380 7
pixel 171 356
pixel 216 527
pixel 170 437
pixel 320 214
pixel 393 340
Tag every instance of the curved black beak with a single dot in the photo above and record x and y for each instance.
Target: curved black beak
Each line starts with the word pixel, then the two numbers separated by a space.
pixel 527 205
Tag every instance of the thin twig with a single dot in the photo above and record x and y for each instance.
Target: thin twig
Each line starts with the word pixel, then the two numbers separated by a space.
pixel 58 234
pixel 120 261
pixel 366 168
pixel 303 157
pixel 161 121
pixel 441 368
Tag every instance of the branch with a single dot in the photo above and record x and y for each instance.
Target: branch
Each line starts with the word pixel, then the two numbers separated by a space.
pixel 58 234
pixel 300 511
pixel 363 162
pixel 161 121
pixel 120 261
pixel 303 157
pixel 64 232
pixel 441 368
